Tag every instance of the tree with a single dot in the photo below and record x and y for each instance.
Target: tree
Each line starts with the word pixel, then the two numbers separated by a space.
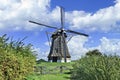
pixel 95 52
pixel 40 60
pixel 17 60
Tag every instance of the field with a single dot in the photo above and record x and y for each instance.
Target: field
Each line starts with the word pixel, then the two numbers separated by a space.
pixel 52 71
pixel 87 68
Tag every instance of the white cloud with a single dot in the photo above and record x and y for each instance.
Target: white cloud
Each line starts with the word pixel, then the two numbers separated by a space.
pixel 76 47
pixel 48 43
pixel 109 46
pixel 106 46
pixel 106 19
pixel 14 14
pixel 41 54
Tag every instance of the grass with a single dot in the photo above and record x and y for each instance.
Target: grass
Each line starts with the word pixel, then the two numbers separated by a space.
pixel 55 75
pixel 55 64
pixel 49 77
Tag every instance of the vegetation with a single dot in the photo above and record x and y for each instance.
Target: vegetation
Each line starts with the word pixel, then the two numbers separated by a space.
pixel 40 60
pixel 49 77
pixel 90 67
pixel 53 71
pixel 94 52
pixel 97 68
pixel 16 59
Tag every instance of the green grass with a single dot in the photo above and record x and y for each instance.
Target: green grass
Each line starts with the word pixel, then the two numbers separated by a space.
pixel 49 77
pixel 56 75
pixel 55 64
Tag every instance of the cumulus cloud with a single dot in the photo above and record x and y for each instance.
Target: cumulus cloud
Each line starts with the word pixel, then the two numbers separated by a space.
pixel 76 46
pixel 14 14
pixel 106 46
pixel 109 46
pixel 106 19
pixel 41 54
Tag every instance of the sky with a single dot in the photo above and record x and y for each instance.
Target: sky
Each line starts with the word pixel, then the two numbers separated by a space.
pixel 99 19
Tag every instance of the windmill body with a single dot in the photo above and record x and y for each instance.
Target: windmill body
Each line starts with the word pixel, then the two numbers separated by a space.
pixel 58 48
pixel 59 51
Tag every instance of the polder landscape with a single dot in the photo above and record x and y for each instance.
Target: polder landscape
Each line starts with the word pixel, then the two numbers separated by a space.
pixel 18 62
pixel 40 40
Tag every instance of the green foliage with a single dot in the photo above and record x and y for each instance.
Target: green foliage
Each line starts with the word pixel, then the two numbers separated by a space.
pixel 94 53
pixel 40 60
pixel 16 59
pixel 97 68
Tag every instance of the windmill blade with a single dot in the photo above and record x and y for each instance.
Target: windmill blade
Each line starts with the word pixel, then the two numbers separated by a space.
pixel 62 17
pixel 77 33
pixel 43 24
pixel 48 37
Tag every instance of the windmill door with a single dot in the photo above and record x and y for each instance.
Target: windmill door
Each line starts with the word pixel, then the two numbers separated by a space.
pixel 54 59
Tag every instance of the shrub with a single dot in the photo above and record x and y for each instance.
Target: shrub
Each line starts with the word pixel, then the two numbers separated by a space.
pixel 95 52
pixel 16 59
pixel 97 68
pixel 40 60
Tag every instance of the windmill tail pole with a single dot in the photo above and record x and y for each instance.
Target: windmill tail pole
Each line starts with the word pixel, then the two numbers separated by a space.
pixel 64 47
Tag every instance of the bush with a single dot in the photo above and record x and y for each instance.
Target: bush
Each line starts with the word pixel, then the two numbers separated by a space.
pixel 40 60
pixel 95 52
pixel 97 68
pixel 16 59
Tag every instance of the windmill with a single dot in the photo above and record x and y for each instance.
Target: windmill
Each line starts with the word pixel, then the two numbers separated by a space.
pixel 59 50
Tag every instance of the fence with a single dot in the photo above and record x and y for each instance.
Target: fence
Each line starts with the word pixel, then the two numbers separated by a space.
pixel 47 70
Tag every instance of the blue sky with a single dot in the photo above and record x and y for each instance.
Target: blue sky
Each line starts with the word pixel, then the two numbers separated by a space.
pixel 85 5
pixel 99 19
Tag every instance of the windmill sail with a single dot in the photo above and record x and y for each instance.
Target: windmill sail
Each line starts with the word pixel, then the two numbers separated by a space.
pixel 43 24
pixel 62 17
